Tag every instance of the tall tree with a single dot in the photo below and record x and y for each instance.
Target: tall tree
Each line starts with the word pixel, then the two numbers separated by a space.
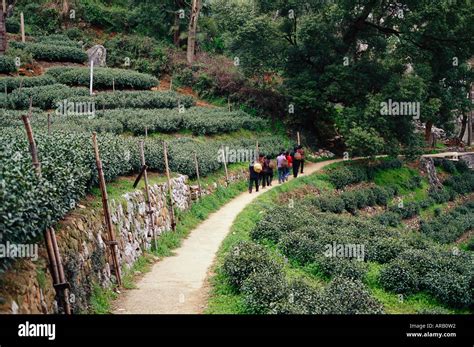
pixel 193 22
pixel 3 32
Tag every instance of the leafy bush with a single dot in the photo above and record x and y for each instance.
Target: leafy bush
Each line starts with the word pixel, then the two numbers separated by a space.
pixel 451 288
pixel 450 226
pixel 302 299
pixel 264 289
pixel 12 25
pixel 7 64
pixel 104 78
pixel 391 219
pixel 408 210
pixel 137 99
pixel 383 250
pixel 330 203
pixel 59 40
pixel 247 258
pixel 53 52
pixel 44 97
pixel 13 83
pixel 345 267
pixel 400 277
pixel 461 184
pixel 298 246
pixel 348 296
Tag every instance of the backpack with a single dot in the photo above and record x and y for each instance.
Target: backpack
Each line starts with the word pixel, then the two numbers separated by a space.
pixel 298 156
pixel 284 163
pixel 272 164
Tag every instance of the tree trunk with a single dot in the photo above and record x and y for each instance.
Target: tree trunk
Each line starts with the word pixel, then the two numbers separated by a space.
pixel 177 32
pixel 196 7
pixel 3 32
pixel 428 127
pixel 463 127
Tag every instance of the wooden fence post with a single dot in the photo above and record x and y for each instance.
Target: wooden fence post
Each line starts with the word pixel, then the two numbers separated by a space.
pixel 147 193
pixel 57 271
pixel 170 189
pixel 49 123
pixel 113 84
pixel 298 138
pixel 112 243
pixel 257 149
pixel 225 165
pixel 197 174
pixel 22 27
pixel 91 82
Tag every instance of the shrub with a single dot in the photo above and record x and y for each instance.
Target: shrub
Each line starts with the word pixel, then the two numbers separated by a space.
pixel 450 288
pixel 408 210
pixel 298 246
pixel 400 277
pixel 448 227
pixel 7 64
pixel 439 195
pixel 59 40
pixel 329 203
pixel 12 25
pixel 53 52
pixel 347 296
pixel 301 299
pixel 345 267
pixel 383 250
pixel 44 97
pixel 246 258
pixel 136 99
pixel 461 184
pixel 105 77
pixel 13 83
pixel 382 195
pixel 263 290
pixel 391 219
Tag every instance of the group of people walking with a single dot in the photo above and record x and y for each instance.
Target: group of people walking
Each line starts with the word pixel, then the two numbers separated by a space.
pixel 262 170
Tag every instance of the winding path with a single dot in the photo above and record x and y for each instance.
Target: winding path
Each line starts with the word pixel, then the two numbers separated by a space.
pixel 178 284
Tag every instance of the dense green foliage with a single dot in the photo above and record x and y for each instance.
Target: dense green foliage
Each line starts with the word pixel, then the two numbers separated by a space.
pixel 53 52
pixel 13 83
pixel 7 64
pixel 104 78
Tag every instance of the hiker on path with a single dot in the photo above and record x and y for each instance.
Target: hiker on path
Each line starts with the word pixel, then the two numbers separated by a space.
pixel 296 157
pixel 289 160
pixel 300 150
pixel 268 166
pixel 261 175
pixel 254 175
pixel 282 163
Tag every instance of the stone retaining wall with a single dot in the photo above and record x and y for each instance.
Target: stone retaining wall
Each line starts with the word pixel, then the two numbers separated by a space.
pixel 87 260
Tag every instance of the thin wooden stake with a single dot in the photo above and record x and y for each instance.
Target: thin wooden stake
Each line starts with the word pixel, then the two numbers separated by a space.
pixel 170 189
pixel 22 27
pixel 225 166
pixel 49 123
pixel 147 193
pixel 171 83
pixel 257 151
pixel 4 7
pixel 57 271
pixel 197 174
pixel 105 205
pixel 146 132
pixel 91 82
pixel 113 84
pixel 298 137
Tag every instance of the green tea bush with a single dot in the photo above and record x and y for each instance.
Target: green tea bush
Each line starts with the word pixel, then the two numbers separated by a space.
pixel 247 258
pixel 44 97
pixel 13 83
pixel 388 218
pixel 12 25
pixel 264 289
pixel 298 246
pixel 53 52
pixel 58 40
pixel 448 227
pixel 345 267
pixel 136 99
pixel 348 296
pixel 400 277
pixel 301 299
pixel 408 210
pixel 329 203
pixel 7 64
pixel 450 288
pixel 104 78
pixel 383 250
pixel 461 184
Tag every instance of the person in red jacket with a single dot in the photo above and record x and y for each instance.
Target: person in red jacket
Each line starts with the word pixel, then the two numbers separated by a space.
pixel 290 164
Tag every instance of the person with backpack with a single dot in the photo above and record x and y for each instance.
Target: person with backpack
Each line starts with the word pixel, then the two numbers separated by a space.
pixel 300 150
pixel 296 156
pixel 254 175
pixel 261 175
pixel 268 167
pixel 282 163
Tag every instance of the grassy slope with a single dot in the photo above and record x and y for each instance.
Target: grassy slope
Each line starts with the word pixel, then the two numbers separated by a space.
pixel 224 300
